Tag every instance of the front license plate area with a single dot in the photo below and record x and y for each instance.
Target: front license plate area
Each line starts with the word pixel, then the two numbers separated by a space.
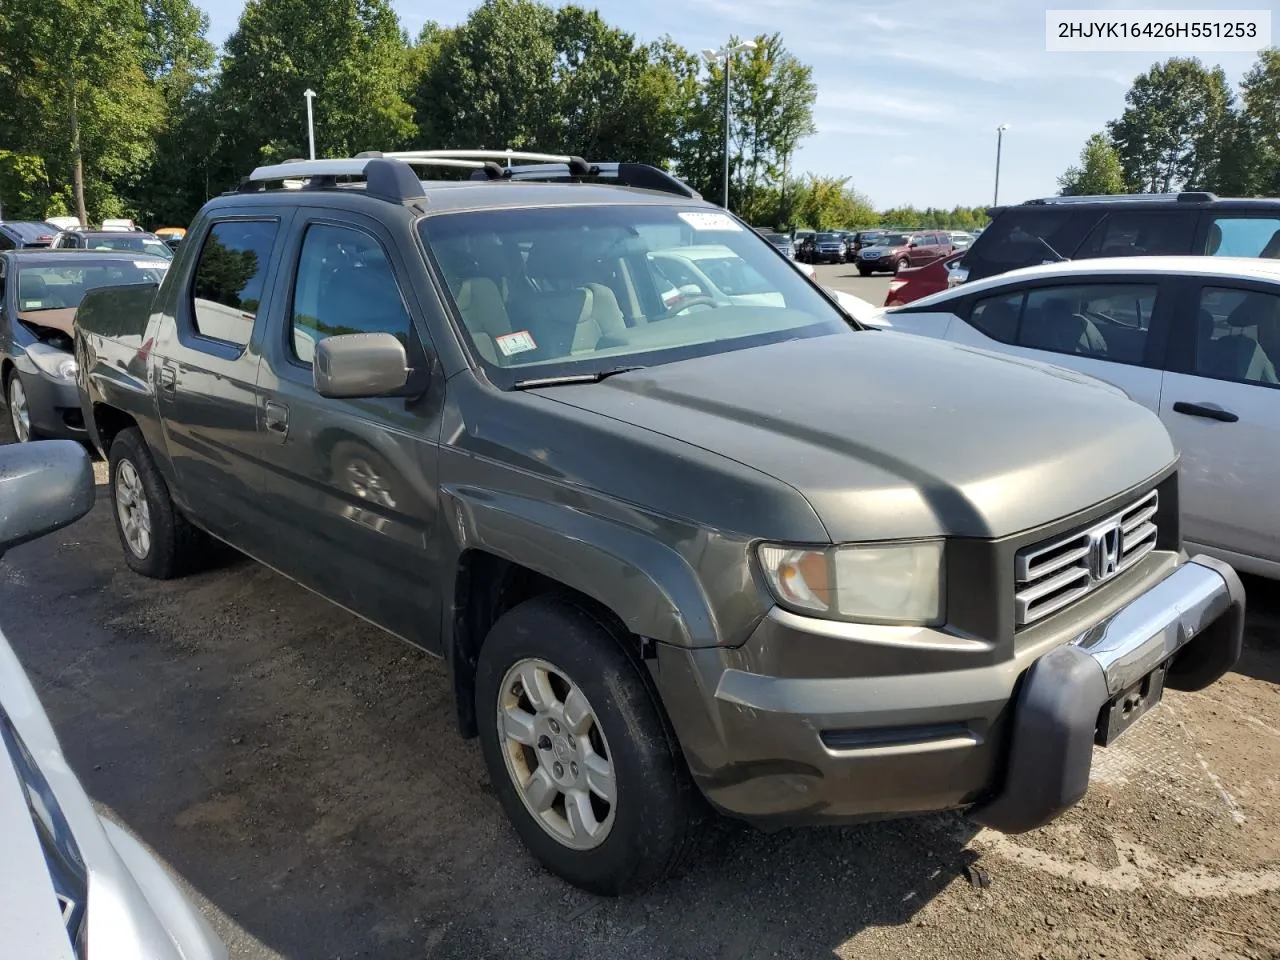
pixel 1124 710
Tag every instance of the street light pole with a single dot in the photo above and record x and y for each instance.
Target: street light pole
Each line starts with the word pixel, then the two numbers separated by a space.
pixel 725 54
pixel 310 95
pixel 999 144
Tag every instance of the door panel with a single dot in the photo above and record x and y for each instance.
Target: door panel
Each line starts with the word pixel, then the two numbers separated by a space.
pixel 1221 403
pixel 206 372
pixel 1229 492
pixel 357 478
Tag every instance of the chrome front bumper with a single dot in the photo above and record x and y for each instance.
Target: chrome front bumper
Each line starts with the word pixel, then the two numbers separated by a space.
pixel 1191 624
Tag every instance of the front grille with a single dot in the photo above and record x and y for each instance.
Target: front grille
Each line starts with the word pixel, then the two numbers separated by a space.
pixel 1053 574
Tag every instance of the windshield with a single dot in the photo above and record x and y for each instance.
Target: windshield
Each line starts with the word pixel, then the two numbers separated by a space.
pixel 890 240
pixel 829 238
pixel 63 286
pixel 568 291
pixel 144 244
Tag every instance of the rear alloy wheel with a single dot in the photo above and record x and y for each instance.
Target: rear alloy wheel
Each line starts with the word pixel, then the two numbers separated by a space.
pixel 19 410
pixel 157 539
pixel 902 264
pixel 578 750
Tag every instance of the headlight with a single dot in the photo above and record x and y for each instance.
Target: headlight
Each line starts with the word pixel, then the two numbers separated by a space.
pixel 52 361
pixel 875 583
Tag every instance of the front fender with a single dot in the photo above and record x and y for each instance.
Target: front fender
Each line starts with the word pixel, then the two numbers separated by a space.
pixel 650 586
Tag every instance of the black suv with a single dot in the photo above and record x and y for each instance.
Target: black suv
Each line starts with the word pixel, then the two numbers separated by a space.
pixel 1079 228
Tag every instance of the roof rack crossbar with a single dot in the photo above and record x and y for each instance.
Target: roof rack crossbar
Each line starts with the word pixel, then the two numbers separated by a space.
pixel 575 163
pixel 1186 196
pixel 639 175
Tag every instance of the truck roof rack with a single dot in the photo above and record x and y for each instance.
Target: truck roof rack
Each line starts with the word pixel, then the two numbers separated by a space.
pixel 390 176
pixel 639 175
pixel 1187 196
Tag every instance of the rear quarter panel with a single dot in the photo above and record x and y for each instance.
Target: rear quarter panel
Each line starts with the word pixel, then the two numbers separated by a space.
pixel 112 342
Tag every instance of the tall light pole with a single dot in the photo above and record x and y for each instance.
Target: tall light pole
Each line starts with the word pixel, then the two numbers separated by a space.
pixel 311 126
pixel 999 143
pixel 725 55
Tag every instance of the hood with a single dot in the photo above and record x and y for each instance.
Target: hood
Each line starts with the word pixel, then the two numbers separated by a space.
pixel 890 436
pixel 62 319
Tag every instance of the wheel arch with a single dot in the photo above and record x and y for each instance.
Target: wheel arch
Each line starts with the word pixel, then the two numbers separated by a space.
pixel 512 549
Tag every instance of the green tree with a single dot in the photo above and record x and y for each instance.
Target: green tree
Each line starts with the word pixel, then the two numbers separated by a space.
pixel 179 61
pixel 492 83
pixel 1099 171
pixel 771 100
pixel 772 96
pixel 1171 134
pixel 828 203
pixel 1251 156
pixel 352 53
pixel 75 95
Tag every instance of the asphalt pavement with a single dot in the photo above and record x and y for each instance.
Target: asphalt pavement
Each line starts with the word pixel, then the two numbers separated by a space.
pixel 845 277
pixel 300 773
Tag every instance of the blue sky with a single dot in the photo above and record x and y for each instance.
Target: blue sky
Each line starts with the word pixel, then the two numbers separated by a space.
pixel 910 92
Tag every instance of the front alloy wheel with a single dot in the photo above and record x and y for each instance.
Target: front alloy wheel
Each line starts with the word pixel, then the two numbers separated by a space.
pixel 19 411
pixel 556 754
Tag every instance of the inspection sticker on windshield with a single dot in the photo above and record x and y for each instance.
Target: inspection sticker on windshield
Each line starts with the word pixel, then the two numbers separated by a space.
pixel 710 221
pixel 512 343
pixel 151 264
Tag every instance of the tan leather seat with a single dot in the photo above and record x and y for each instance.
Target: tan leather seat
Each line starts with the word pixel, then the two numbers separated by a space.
pixel 484 315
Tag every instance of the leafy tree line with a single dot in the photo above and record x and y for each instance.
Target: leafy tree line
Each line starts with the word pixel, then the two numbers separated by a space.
pixel 121 107
pixel 1184 128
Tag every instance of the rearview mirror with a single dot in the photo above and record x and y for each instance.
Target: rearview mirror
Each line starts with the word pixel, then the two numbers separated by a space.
pixel 354 365
pixel 44 486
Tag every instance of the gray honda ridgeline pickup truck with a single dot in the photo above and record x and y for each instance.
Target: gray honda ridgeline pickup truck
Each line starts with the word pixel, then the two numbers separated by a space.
pixel 673 544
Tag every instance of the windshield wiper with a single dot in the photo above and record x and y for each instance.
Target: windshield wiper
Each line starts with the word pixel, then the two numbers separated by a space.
pixel 571 378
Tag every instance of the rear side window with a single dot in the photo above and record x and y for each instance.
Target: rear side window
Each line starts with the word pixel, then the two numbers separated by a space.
pixel 1105 321
pixel 229 279
pixel 5 242
pixel 1141 233
pixel 1238 336
pixel 345 285
pixel 1022 237
pixel 1244 237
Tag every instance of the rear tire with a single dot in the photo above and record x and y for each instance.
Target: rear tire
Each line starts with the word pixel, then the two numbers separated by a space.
pixel 157 539
pixel 584 682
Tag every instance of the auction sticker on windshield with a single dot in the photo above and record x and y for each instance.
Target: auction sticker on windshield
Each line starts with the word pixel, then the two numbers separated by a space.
pixel 151 264
pixel 710 221
pixel 512 343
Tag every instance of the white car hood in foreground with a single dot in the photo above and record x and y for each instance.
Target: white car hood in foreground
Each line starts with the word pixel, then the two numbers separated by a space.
pixel 135 911
pixel 861 310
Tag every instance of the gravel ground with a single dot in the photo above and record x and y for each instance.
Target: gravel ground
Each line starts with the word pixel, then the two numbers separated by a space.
pixel 299 771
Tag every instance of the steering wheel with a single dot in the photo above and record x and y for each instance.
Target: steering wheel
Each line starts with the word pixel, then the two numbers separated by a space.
pixel 694 301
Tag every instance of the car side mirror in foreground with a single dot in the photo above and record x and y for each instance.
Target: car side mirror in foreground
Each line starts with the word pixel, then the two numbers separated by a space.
pixel 354 365
pixel 44 486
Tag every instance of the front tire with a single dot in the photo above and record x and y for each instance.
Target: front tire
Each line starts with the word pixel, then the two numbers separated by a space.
pixel 157 540
pixel 578 750
pixel 901 265
pixel 864 272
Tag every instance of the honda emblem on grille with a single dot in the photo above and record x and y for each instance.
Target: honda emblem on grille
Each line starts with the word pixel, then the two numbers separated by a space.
pixel 1104 552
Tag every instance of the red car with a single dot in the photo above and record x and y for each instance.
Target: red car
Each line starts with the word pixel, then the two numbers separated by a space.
pixel 916 282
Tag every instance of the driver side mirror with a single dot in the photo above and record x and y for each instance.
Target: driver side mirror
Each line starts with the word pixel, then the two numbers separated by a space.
pixel 44 486
pixel 353 365
pixel 913 243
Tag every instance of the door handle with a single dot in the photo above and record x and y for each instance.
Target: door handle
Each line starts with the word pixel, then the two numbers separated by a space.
pixel 276 417
pixel 1210 411
pixel 168 377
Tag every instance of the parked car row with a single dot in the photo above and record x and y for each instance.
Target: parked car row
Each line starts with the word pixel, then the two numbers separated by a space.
pixel 675 521
pixel 66 233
